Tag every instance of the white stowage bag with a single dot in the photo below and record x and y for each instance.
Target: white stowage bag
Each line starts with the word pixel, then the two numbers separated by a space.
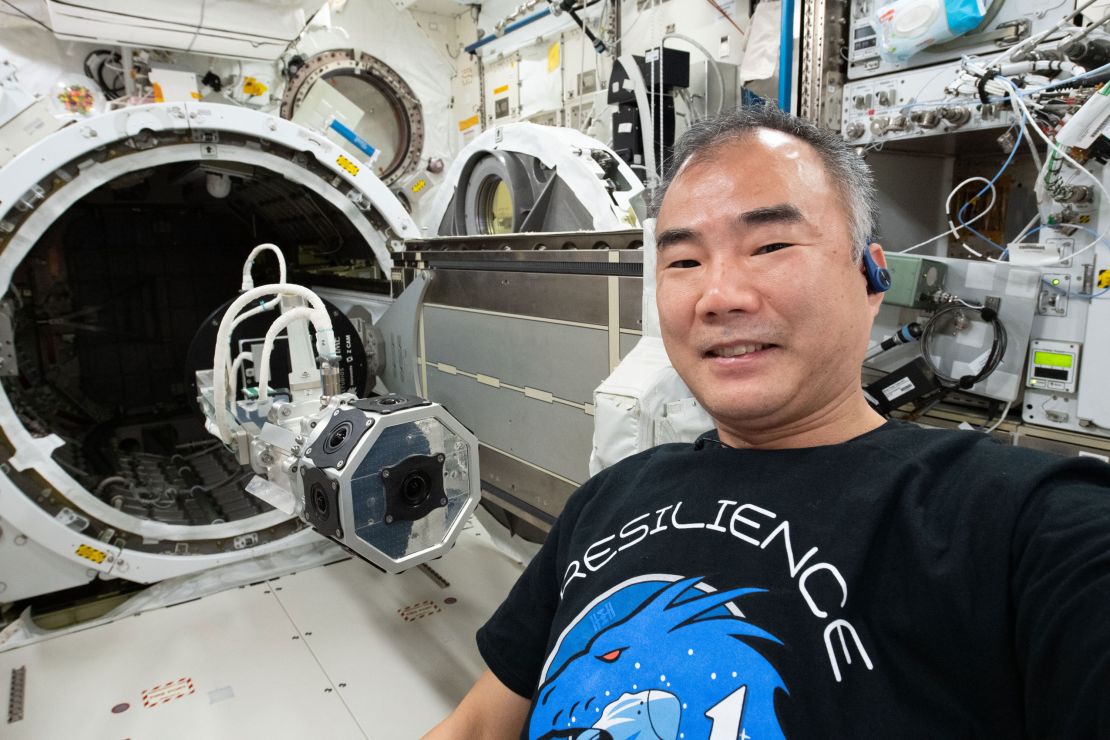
pixel 643 403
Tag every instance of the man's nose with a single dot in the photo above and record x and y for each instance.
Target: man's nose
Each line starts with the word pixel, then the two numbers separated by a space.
pixel 728 288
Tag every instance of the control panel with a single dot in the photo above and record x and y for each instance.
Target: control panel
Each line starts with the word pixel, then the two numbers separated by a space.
pixel 1053 365
pixel 913 104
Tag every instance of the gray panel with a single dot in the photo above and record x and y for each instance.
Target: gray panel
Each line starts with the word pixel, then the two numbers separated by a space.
pixel 553 436
pixel 628 341
pixel 580 298
pixel 631 296
pixel 519 481
pixel 568 361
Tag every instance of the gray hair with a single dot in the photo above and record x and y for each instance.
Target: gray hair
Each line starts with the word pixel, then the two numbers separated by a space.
pixel 846 170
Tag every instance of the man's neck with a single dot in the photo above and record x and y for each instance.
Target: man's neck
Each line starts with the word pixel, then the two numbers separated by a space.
pixel 846 419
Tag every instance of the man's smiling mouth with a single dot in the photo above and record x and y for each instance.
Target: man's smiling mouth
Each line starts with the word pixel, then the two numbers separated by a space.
pixel 737 350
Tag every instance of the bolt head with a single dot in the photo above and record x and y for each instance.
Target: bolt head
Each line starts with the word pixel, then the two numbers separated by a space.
pixel 388 518
pixel 340 463
pixel 385 473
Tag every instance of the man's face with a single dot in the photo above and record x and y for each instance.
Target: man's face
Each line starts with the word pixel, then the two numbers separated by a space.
pixel 762 309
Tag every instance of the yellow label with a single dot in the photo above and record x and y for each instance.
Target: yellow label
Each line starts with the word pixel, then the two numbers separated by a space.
pixel 1104 279
pixel 156 90
pixel 466 123
pixel 553 57
pixel 91 553
pixel 418 186
pixel 347 165
pixel 1085 218
pixel 500 90
pixel 251 86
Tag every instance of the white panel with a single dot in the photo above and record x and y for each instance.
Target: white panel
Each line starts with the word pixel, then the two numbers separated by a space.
pixel 324 653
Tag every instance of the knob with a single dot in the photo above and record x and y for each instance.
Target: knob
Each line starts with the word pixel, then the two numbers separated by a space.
pixel 854 130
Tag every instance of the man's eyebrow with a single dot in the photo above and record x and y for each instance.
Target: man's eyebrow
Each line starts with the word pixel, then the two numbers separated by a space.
pixel 781 213
pixel 673 236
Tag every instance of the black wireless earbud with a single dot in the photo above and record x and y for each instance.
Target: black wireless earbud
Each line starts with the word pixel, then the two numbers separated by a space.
pixel 878 278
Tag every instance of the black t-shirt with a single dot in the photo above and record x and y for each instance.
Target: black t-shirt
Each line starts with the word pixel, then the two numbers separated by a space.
pixel 909 581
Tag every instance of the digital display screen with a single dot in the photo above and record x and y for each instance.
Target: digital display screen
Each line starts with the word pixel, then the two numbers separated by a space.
pixel 1052 373
pixel 870 43
pixel 1053 359
pixel 864 32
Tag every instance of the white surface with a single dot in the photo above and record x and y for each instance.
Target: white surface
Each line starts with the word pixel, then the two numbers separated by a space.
pixel 251 29
pixel 324 653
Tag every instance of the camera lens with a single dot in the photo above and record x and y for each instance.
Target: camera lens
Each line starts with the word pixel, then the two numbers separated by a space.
pixel 319 499
pixel 415 489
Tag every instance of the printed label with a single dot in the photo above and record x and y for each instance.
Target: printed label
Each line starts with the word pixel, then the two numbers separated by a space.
pixel 898 389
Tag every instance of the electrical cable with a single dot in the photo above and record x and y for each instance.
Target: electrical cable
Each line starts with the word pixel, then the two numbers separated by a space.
pixel 994 357
pixel 1055 148
pixel 991 182
pixel 953 228
pixel 1001 418
pixel 726 15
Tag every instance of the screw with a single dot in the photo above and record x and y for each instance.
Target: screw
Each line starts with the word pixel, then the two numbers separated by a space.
pixel 443 502
pixel 286 411
pixel 312 425
pixel 299 439
pixel 308 451
pixel 340 463
pixel 385 473
pixel 389 519
pixel 296 450
pixel 439 457
pixel 339 533
pixel 335 485
pixel 369 422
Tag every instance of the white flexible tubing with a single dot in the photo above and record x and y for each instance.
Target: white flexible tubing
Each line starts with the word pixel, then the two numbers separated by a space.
pixel 248 279
pixel 262 308
pixel 221 363
pixel 234 378
pixel 712 63
pixel 280 323
pixel 647 131
pixel 948 208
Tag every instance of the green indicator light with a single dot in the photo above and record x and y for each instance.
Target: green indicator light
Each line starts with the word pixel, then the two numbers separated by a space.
pixel 1053 359
pixel 1055 281
pixel 1033 381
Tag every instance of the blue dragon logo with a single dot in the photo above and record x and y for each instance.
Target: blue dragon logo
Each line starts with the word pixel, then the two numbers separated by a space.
pixel 659 659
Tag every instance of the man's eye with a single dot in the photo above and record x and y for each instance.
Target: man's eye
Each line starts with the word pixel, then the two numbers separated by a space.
pixel 768 248
pixel 684 263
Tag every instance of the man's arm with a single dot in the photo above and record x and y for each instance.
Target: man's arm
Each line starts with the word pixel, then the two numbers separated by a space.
pixel 489 711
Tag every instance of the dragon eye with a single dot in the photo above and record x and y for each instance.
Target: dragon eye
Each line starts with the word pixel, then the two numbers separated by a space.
pixel 612 655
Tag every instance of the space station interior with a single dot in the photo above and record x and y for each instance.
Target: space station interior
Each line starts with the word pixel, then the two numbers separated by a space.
pixel 370 283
